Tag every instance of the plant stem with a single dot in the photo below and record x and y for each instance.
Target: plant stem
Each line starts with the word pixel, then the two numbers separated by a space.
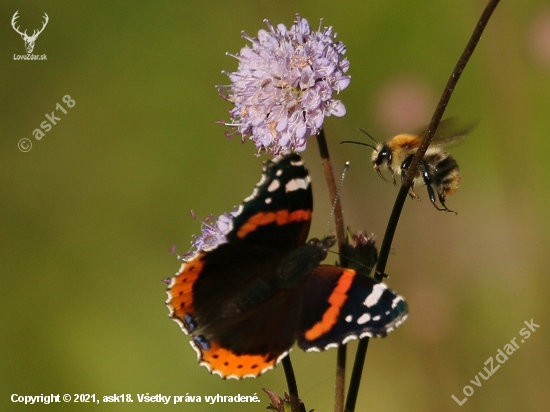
pixel 291 383
pixel 340 383
pixel 332 188
pixel 356 373
pixel 404 190
pixel 434 123
pixel 340 378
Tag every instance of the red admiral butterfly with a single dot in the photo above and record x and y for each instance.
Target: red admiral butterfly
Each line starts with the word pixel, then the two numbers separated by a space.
pixel 245 302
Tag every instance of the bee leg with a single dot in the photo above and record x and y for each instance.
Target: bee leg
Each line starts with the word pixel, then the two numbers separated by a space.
pixel 432 199
pixel 382 176
pixel 431 193
pixel 428 183
pixel 393 178
pixel 413 194
pixel 404 168
pixel 442 201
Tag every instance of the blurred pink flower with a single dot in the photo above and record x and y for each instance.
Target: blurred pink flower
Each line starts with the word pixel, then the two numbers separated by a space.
pixel 404 104
pixel 539 37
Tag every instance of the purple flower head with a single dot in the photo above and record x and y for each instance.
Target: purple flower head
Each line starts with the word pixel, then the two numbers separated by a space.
pixel 284 85
pixel 213 234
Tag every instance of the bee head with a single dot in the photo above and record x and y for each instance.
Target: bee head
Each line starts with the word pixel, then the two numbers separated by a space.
pixel 381 156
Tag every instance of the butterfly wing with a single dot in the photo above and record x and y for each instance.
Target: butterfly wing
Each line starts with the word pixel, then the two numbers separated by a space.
pixel 229 294
pixel 278 213
pixel 345 305
pixel 248 342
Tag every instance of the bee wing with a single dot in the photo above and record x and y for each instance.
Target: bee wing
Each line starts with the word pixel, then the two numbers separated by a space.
pixel 449 130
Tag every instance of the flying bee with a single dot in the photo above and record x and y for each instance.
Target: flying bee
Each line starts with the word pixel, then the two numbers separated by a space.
pixel 438 169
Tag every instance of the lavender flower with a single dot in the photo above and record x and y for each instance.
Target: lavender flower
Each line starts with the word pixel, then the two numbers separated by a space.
pixel 213 234
pixel 283 87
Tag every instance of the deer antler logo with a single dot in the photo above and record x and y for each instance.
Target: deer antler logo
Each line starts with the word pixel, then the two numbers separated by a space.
pixel 29 40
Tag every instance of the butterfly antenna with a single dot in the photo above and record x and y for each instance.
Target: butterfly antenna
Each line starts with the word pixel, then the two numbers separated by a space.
pixel 350 259
pixel 346 167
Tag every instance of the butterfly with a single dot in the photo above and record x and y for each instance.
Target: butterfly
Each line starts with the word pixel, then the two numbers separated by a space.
pixel 246 302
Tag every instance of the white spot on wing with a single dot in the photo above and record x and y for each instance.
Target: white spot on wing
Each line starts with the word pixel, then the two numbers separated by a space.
pixel 346 340
pixel 297 163
pixel 375 295
pixel 296 184
pixel 349 318
pixel 364 318
pixel 268 200
pixel 273 186
pixel 395 302
pixel 377 317
pixel 279 172
pixel 199 353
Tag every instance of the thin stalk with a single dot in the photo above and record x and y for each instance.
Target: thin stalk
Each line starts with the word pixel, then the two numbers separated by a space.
pixel 291 383
pixel 332 188
pixel 405 187
pixel 340 383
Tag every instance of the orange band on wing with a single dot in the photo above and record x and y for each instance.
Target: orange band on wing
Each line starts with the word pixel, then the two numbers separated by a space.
pixel 227 364
pixel 280 217
pixel 180 293
pixel 336 300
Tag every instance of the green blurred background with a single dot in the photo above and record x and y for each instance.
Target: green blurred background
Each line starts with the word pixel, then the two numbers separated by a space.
pixel 89 214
